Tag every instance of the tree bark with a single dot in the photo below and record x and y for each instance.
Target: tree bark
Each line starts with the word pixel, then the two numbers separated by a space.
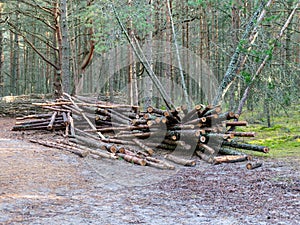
pixel 229 159
pixel 1 55
pixel 52 120
pixel 133 159
pixel 241 134
pixel 84 116
pixel 227 151
pixel 65 48
pixel 251 166
pixel 258 148
pixel 143 146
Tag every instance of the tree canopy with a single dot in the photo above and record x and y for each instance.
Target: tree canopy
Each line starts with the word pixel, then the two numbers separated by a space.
pixel 242 52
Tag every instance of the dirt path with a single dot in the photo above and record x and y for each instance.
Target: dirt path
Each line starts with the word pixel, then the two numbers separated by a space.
pixel 40 185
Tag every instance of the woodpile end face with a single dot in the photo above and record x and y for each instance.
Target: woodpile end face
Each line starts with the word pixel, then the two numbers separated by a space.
pixel 149 137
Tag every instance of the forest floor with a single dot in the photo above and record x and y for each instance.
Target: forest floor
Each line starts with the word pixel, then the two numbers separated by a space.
pixel 40 185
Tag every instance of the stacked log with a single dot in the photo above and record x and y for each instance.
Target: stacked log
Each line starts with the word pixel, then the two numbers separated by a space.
pixel 199 126
pixel 123 131
pixel 21 105
pixel 49 121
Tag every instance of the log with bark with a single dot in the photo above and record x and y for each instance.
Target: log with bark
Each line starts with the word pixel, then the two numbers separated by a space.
pixel 52 121
pixel 133 159
pixel 154 162
pixel 72 149
pixel 230 159
pixel 245 146
pixel 251 166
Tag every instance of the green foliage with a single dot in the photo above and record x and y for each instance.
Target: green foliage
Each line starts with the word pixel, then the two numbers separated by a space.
pixel 271 85
pixel 195 3
pixel 247 76
pixel 269 53
pixel 98 16
pixel 241 45
pixel 271 18
pixel 287 99
pixel 108 33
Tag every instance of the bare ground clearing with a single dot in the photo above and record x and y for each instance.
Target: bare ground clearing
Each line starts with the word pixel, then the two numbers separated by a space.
pixel 40 185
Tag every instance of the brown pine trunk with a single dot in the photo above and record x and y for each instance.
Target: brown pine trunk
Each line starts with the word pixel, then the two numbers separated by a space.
pixel 1 56
pixel 235 23
pixel 58 41
pixel 65 48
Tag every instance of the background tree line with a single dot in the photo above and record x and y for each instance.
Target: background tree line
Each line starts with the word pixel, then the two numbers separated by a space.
pixel 50 46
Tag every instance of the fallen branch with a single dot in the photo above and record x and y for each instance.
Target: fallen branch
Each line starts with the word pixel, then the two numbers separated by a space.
pixel 74 150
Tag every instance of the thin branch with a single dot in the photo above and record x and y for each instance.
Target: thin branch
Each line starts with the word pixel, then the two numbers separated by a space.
pixel 15 31
pixel 38 36
pixel 30 15
pixel 143 59
pixel 48 10
pixel 178 58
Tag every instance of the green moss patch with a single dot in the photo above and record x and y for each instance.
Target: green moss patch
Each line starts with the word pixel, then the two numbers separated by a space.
pixel 283 138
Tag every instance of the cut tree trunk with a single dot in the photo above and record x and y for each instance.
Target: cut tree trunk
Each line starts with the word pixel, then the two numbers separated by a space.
pixel 229 159
pixel 251 147
pixel 236 123
pixel 251 166
pixel 133 159
pixel 52 120
pixel 242 134
pixel 145 147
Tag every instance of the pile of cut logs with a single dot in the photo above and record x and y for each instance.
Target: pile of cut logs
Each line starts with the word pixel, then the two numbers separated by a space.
pixel 147 137
pixel 21 105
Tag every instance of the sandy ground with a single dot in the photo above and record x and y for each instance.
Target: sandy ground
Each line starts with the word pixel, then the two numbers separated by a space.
pixel 40 185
